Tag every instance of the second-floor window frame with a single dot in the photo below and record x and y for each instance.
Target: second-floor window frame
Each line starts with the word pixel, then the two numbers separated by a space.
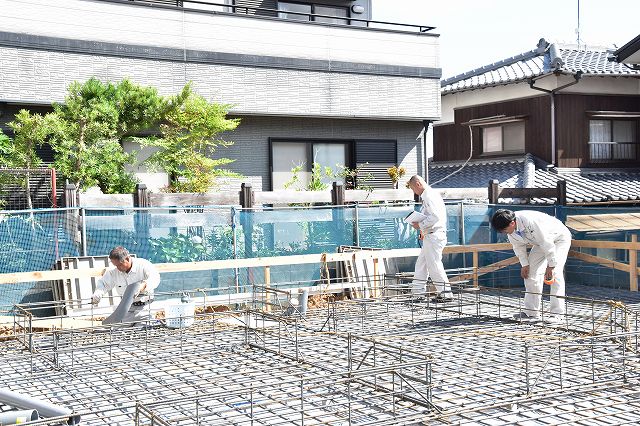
pixel 316 9
pixel 494 127
pixel 614 137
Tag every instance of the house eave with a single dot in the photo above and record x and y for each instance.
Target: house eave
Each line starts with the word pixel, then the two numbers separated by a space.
pixel 627 50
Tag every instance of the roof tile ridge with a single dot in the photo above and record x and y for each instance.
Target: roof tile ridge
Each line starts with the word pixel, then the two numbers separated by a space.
pixel 477 161
pixel 542 47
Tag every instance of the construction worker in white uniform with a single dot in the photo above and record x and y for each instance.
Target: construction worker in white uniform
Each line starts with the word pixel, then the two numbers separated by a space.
pixel 433 232
pixel 128 271
pixel 550 240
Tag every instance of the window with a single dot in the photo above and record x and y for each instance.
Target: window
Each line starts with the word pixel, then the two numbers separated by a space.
pixel 288 11
pixel 303 12
pixel 612 140
pixel 287 155
pixel 505 138
pixel 372 156
pixel 338 12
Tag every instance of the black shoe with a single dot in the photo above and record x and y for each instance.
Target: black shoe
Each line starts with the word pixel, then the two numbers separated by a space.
pixel 441 299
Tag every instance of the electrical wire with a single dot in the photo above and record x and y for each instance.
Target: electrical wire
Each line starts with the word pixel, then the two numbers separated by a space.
pixel 465 163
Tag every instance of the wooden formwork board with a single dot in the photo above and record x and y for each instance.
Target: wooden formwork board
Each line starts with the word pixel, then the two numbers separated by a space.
pixel 76 292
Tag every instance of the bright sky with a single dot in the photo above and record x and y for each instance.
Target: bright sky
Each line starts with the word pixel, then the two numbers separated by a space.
pixel 474 33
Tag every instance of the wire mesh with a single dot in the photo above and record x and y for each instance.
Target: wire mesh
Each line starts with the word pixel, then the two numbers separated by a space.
pixel 382 361
pixel 34 240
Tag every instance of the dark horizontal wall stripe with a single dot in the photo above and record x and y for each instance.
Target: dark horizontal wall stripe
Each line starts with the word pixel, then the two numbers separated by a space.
pixel 98 48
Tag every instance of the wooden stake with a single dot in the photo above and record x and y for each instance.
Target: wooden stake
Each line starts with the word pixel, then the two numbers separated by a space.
pixel 633 265
pixel 475 269
pixel 267 286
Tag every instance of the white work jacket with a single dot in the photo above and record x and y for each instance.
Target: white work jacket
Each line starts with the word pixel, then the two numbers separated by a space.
pixel 434 209
pixel 141 270
pixel 538 229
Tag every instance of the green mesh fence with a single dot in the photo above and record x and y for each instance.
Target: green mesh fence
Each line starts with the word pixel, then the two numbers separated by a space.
pixel 34 240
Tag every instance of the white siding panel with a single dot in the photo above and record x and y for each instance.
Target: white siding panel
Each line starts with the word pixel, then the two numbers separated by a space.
pixel 43 76
pixel 107 22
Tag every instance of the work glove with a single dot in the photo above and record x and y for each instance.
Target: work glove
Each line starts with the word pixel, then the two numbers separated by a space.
pixel 95 299
pixel 142 291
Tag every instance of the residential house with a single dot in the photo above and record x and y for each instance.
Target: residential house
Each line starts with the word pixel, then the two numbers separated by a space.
pixel 554 112
pixel 311 81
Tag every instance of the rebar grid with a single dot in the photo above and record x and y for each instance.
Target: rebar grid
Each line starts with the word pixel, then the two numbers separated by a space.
pixel 476 366
pixel 105 373
pixel 477 360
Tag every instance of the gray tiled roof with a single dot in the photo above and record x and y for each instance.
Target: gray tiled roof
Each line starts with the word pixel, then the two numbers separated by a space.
pixel 594 186
pixel 592 62
pixel 583 186
pixel 547 58
pixel 509 172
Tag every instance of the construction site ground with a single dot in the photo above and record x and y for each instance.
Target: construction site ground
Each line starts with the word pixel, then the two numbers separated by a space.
pixel 389 360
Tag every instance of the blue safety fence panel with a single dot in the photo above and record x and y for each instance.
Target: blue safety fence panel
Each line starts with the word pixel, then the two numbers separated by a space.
pixel 383 226
pixel 33 241
pixel 580 272
pixel 293 231
pixel 162 235
pixel 106 229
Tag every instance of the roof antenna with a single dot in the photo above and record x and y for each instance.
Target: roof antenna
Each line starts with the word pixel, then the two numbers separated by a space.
pixel 578 28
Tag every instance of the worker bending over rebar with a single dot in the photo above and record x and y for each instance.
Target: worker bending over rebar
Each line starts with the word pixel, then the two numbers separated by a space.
pixel 551 241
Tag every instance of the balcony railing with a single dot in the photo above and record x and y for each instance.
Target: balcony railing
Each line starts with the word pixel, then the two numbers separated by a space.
pixel 206 6
pixel 613 152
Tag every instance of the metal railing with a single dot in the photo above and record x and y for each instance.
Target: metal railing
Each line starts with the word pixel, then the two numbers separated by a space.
pixel 612 152
pixel 209 7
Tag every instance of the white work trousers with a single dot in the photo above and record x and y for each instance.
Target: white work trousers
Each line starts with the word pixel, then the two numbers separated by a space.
pixel 429 264
pixel 534 285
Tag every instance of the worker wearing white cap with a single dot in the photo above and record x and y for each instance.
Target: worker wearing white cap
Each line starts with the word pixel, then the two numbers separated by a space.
pixel 551 241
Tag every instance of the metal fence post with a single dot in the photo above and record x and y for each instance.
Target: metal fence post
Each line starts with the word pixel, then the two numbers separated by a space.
pixel 337 211
pixel 70 195
pixel 234 248
pixel 246 201
pixel 246 195
pixel 83 231
pixel 493 191
pixel 141 217
pixel 356 225
pixel 337 194
pixel 141 196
